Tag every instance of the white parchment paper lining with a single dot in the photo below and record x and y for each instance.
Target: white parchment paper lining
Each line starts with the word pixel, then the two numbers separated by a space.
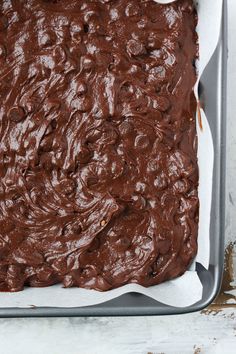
pixel 187 289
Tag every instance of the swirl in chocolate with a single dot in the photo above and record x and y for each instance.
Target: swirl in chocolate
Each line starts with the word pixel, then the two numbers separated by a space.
pixel 98 162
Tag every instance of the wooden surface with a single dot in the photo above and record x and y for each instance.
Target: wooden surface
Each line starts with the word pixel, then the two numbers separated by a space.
pixel 211 331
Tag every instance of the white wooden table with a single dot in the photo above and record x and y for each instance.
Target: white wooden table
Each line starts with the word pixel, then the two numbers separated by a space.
pixel 212 331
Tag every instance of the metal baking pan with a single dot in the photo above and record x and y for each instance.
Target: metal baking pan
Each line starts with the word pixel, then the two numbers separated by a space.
pixel 212 92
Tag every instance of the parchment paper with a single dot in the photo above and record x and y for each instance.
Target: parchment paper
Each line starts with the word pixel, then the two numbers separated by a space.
pixel 187 289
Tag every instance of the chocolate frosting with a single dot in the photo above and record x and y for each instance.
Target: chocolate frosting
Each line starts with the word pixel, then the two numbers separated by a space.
pixel 98 164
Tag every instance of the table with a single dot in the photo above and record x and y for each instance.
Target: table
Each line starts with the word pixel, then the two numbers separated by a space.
pixel 213 331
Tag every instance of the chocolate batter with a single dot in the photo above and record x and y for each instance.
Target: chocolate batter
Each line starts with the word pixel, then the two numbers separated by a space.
pixel 98 165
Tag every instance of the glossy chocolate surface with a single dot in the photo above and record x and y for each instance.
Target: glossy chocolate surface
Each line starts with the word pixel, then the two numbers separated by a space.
pixel 98 162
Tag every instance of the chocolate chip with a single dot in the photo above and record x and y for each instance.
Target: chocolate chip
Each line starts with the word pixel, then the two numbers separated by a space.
pixel 132 9
pixel 181 186
pixel 68 281
pixel 139 202
pixel 84 155
pixel 161 103
pixel 81 87
pixel 16 114
pixel 67 186
pixel 157 73
pixel 140 187
pixel 81 104
pixel 76 27
pixel 135 47
pixel 117 169
pixel 3 23
pixel 47 39
pixel 126 128
pixel 92 181
pixel 160 181
pixel 87 62
pixel 142 142
pixel 47 161
pixel 154 41
pixel 143 22
pixel 76 227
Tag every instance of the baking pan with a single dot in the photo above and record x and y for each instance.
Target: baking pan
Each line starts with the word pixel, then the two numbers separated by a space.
pixel 212 91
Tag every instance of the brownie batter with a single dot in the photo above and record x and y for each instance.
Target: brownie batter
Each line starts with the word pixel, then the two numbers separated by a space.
pixel 98 164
